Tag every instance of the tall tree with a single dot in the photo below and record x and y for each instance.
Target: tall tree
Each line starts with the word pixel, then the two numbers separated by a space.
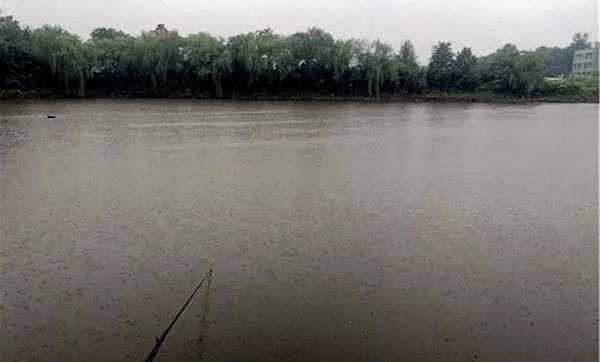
pixel 208 59
pixel 380 67
pixel 258 58
pixel 159 58
pixel 465 71
pixel 528 74
pixel 312 58
pixel 509 71
pixel 65 55
pixel 440 72
pixel 114 65
pixel 17 68
pixel 409 73
pixel 343 58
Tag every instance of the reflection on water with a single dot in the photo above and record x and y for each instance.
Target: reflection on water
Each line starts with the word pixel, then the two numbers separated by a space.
pixel 336 231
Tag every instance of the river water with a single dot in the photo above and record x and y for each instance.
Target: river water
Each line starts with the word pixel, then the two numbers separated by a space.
pixel 336 231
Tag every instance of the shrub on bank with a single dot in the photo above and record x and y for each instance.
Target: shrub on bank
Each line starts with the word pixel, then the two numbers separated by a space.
pixel 585 87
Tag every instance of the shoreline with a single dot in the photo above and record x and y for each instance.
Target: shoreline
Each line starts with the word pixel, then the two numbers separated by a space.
pixel 16 95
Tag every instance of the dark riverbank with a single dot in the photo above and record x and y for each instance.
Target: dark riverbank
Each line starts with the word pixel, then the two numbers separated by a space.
pixel 424 97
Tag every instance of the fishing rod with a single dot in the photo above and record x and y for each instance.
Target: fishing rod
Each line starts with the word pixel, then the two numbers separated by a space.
pixel 159 341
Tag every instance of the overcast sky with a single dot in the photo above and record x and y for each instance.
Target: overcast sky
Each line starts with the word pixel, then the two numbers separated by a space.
pixel 484 25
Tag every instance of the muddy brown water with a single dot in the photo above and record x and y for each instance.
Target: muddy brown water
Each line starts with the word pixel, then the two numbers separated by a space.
pixel 336 231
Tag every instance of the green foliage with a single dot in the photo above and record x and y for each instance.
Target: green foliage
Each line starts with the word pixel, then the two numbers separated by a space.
pixel 377 62
pixel 114 63
pixel 160 62
pixel 158 58
pixel 511 72
pixel 311 58
pixel 67 58
pixel 440 72
pixel 528 75
pixel 208 59
pixel 410 75
pixel 465 71
pixel 564 88
pixel 107 33
pixel 13 39
pixel 585 87
pixel 343 57
pixel 258 59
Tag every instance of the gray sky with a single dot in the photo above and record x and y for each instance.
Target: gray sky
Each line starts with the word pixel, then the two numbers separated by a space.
pixel 484 25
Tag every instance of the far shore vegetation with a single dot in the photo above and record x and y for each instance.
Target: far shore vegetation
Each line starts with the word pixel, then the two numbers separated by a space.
pixel 51 62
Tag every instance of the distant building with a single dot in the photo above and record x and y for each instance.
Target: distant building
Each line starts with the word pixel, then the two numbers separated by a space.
pixel 585 61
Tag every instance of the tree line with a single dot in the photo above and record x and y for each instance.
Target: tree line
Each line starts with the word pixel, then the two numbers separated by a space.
pixel 161 62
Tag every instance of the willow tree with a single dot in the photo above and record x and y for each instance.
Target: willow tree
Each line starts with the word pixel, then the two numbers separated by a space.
pixel 379 66
pixel 159 57
pixel 114 62
pixel 220 68
pixel 258 56
pixel 528 74
pixel 65 55
pixel 312 56
pixel 270 55
pixel 513 72
pixel 242 60
pixel 208 59
pixel 343 59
